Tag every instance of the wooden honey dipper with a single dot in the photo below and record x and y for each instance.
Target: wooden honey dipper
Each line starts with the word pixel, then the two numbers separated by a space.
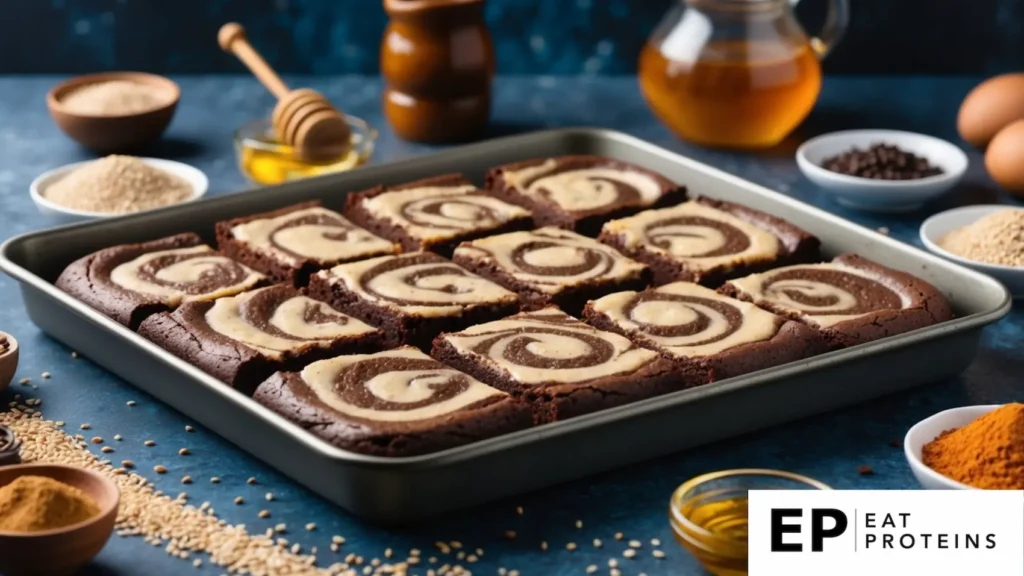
pixel 302 118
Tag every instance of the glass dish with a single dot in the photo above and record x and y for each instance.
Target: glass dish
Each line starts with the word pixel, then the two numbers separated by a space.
pixel 263 160
pixel 708 514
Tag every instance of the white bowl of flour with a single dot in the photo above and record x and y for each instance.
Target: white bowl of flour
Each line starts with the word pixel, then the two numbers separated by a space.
pixel 115 186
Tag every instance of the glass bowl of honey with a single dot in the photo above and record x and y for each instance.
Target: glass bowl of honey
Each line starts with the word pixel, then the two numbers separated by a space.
pixel 708 514
pixel 264 160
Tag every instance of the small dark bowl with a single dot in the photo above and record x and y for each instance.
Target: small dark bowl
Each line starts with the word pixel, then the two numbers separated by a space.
pixel 111 134
pixel 10 447
pixel 62 551
pixel 8 361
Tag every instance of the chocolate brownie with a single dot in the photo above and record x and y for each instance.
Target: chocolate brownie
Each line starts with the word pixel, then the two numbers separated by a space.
pixel 713 335
pixel 412 297
pixel 551 266
pixel 434 214
pixel 581 192
pixel 709 241
pixel 243 339
pixel 394 403
pixel 851 299
pixel 291 243
pixel 560 365
pixel 133 281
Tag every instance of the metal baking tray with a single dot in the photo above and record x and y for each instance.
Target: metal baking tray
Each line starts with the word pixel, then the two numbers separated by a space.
pixel 397 490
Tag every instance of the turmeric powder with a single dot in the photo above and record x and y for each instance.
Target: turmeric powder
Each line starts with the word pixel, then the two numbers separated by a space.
pixel 988 453
pixel 37 503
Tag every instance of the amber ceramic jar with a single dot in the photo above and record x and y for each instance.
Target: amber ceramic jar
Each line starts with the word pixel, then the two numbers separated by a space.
pixel 437 59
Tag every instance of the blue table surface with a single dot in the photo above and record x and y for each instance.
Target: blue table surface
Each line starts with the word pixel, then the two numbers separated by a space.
pixel 633 501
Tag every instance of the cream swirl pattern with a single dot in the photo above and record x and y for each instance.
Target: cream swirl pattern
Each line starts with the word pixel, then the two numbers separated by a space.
pixel 697 234
pixel 823 294
pixel 401 385
pixel 584 189
pixel 551 259
pixel 549 346
pixel 312 233
pixel 687 320
pixel 277 319
pixel 441 212
pixel 181 275
pixel 419 283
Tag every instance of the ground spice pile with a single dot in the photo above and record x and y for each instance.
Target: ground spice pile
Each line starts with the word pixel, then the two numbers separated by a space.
pixel 118 185
pixel 37 503
pixel 994 239
pixel 115 98
pixel 988 453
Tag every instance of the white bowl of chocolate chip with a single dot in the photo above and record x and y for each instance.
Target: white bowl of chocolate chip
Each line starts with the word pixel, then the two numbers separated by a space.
pixel 882 170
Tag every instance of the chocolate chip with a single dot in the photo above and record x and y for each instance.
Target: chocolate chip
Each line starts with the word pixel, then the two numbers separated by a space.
pixel 881 162
pixel 865 470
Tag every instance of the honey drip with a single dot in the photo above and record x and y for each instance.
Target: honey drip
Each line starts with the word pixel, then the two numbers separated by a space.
pixel 736 94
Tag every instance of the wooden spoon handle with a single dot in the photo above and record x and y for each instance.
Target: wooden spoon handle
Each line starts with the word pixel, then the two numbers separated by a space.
pixel 232 39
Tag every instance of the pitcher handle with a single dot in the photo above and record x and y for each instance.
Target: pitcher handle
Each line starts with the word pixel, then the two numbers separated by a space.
pixel 835 27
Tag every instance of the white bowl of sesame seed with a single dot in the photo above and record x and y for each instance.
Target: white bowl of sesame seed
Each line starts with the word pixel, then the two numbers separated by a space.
pixel 981 247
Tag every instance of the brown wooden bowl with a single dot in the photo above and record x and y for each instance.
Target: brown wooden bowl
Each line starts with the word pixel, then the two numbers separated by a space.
pixel 61 551
pixel 8 361
pixel 110 134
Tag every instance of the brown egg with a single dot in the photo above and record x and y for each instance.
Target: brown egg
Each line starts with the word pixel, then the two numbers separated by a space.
pixel 990 107
pixel 1004 158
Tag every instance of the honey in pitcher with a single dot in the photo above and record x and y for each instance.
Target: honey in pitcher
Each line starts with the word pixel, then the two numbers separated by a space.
pixel 735 94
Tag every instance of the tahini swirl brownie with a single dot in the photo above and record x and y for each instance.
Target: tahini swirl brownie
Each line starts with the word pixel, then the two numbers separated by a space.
pixel 581 192
pixel 291 243
pixel 243 339
pixel 435 214
pixel 711 335
pixel 551 266
pixel 560 365
pixel 851 299
pixel 133 281
pixel 413 297
pixel 709 241
pixel 395 403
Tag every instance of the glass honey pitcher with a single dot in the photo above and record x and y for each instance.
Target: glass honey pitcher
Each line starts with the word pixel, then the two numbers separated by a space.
pixel 736 73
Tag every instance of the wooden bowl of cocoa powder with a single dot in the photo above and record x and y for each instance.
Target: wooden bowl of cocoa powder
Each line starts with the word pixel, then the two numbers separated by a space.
pixel 114 111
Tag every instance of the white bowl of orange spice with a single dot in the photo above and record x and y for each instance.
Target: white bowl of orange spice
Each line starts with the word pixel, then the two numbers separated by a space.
pixel 114 186
pixel 988 238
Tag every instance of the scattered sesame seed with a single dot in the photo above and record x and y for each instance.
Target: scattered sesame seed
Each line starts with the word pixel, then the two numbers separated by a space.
pixel 117 437
pixel 239 500
pixel 85 426
pixel 189 428
pixel 629 553
pixel 264 514
pixel 502 571
pixel 183 452
pixel 149 443
pixel 460 555
pixel 60 423
pixel 160 469
pixel 296 548
pixel 570 546
pixel 579 524
pixel 592 568
pixel 388 553
pixel 544 545
pixel 106 449
pixel 215 480
pixel 250 481
pixel 455 544
pixel 513 573
pixel 130 403
pixel 655 542
pixel 472 558
pixel 96 440
pixel 615 572
pixel 597 543
pixel 24 381
pixel 619 536
pixel 510 534
pixel 45 375
pixel 635 544
pixel 613 563
pixel 519 510
pixel 334 547
pixel 186 480
pixel 270 496
pixel 197 563
pixel 74 354
pixel 658 554
pixel 310 527
pixel 479 551
pixel 127 463
pixel 340 540
pixel 280 528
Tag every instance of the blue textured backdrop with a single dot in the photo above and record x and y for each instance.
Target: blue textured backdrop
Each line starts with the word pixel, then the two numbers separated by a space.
pixel 532 36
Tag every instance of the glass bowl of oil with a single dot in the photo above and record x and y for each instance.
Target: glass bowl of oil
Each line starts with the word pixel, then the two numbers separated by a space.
pixel 266 161
pixel 708 514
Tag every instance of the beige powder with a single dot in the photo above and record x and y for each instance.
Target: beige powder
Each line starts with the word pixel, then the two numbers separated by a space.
pixel 115 98
pixel 118 185
pixel 995 239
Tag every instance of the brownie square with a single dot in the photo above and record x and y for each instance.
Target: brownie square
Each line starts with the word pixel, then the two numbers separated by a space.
pixel 581 192
pixel 133 281
pixel 242 340
pixel 434 214
pixel 560 365
pixel 551 266
pixel 412 297
pixel 291 243
pixel 851 299
pixel 711 334
pixel 709 241
pixel 394 403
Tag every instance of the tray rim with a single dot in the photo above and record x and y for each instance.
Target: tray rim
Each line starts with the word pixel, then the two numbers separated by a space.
pixel 485 447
